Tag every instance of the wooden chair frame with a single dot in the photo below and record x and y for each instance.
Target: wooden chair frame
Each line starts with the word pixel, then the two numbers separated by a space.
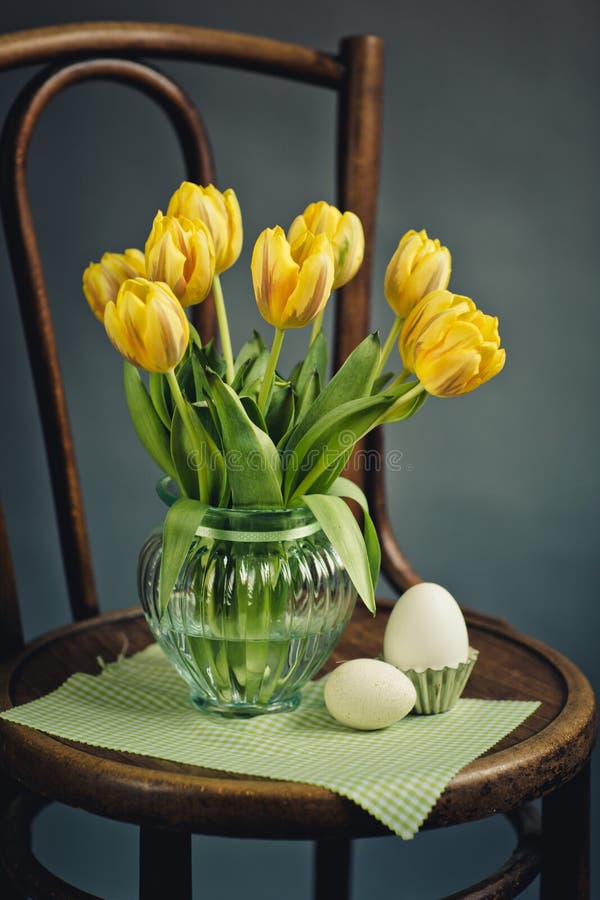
pixel 113 51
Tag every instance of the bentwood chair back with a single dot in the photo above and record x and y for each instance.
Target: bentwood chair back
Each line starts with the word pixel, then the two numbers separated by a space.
pixel 356 77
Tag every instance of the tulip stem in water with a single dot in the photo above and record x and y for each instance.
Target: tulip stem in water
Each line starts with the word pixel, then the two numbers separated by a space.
pixel 184 412
pixel 223 327
pixel 265 388
pixel 389 344
pixel 317 325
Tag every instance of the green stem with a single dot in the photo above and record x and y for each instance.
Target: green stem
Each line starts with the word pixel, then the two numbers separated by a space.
pixel 399 379
pixel 223 327
pixel 389 344
pixel 184 412
pixel 317 325
pixel 409 396
pixel 265 388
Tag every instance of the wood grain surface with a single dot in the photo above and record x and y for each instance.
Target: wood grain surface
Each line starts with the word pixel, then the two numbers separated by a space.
pixel 548 749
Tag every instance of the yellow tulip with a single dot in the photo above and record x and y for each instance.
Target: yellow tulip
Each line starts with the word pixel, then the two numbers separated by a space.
pixel 220 212
pixel 147 325
pixel 180 253
pixel 289 294
pixel 418 267
pixel 450 345
pixel 344 230
pixel 101 281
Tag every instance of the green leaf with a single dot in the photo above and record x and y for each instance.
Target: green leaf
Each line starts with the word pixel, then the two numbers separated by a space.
pixel 312 389
pixel 198 460
pixel 252 459
pixel 294 374
pixel 250 350
pixel 380 382
pixel 343 487
pixel 181 522
pixel 181 447
pixel 329 439
pixel 400 410
pixel 280 414
pixel 315 361
pixel 149 428
pixel 258 367
pixel 241 373
pixel 352 381
pixel 194 336
pixel 253 412
pixel 322 484
pixel 340 526
pixel 158 395
pixel 210 358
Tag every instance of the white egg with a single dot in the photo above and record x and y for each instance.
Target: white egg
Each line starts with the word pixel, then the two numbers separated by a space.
pixel 426 630
pixel 368 694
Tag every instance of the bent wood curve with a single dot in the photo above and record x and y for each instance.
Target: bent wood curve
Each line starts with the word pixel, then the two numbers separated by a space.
pixel 182 42
pixel 548 750
pixel 31 289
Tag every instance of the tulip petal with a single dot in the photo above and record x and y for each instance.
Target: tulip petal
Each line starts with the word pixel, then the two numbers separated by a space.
pixel 312 292
pixel 296 229
pixel 235 229
pixel 447 376
pixel 418 267
pixel 274 275
pixel 348 248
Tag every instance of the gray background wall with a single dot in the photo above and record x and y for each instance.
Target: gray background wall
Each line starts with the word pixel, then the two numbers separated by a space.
pixel 491 142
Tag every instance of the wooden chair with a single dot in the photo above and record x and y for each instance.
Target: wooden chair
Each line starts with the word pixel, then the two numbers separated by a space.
pixel 546 757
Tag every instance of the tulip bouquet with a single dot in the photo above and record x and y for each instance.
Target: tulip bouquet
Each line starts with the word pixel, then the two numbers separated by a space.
pixel 237 431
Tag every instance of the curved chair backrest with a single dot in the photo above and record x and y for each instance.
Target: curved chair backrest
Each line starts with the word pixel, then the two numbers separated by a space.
pixel 77 53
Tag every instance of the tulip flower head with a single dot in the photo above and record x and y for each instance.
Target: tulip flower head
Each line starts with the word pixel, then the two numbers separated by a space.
pixel 101 281
pixel 344 230
pixel 220 212
pixel 147 325
pixel 450 345
pixel 291 294
pixel 180 252
pixel 419 266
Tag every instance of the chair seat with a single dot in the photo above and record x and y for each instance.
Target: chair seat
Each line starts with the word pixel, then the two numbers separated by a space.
pixel 548 749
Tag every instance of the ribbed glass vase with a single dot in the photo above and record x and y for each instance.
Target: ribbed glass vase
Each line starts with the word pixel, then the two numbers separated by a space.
pixel 260 602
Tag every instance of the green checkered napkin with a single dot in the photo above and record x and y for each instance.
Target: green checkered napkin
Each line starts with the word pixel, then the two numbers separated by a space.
pixel 140 705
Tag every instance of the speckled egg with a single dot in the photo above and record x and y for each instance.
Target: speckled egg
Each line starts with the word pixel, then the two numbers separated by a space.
pixel 426 630
pixel 367 694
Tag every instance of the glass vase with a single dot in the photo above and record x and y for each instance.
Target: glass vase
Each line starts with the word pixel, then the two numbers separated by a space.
pixel 260 602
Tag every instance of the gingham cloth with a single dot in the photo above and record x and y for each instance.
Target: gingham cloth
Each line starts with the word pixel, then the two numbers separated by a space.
pixel 140 705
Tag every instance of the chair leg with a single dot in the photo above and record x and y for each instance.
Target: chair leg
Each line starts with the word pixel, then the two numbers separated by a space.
pixel 8 791
pixel 332 870
pixel 566 840
pixel 165 865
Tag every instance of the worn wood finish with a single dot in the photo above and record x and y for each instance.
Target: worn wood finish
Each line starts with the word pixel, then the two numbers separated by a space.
pixel 549 749
pixel 519 870
pixel 566 839
pixel 359 150
pixel 181 42
pixel 31 289
pixel 394 565
pixel 26 876
pixel 11 631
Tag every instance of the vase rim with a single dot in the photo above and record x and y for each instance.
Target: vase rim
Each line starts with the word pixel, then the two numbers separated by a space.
pixel 166 490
